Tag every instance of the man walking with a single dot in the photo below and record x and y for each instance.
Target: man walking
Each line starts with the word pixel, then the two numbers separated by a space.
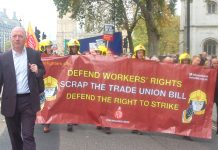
pixel 21 72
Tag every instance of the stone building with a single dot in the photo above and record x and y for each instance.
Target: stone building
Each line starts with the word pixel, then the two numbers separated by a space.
pixel 6 25
pixel 203 26
pixel 68 29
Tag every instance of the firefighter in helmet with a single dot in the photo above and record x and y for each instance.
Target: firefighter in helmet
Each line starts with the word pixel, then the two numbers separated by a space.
pixel 103 50
pixel 139 52
pixel 197 104
pixel 184 58
pixel 45 46
pixel 73 47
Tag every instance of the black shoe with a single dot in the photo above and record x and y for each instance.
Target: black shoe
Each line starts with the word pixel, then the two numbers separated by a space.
pixel 46 129
pixel 98 127
pixel 107 130
pixel 188 138
pixel 135 131
pixel 70 128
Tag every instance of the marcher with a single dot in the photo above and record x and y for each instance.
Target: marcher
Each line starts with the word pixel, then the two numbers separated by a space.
pixel 168 60
pixel 184 58
pixel 21 70
pixel 214 64
pixel 196 60
pixel 104 51
pixel 203 57
pixel 45 47
pixel 74 49
pixel 139 52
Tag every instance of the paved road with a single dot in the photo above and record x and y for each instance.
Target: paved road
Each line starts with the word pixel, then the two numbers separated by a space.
pixel 86 137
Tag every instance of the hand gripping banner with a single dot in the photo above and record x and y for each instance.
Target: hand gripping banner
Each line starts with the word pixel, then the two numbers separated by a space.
pixel 128 93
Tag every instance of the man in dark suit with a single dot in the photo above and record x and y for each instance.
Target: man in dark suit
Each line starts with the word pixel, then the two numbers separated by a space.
pixel 21 72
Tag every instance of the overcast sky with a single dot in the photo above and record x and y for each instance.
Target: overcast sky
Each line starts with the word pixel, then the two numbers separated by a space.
pixel 41 13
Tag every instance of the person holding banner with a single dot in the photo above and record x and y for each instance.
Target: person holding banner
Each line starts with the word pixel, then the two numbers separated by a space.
pixel 168 60
pixel 20 75
pixel 214 64
pixel 45 47
pixel 196 60
pixel 74 49
pixel 104 51
pixel 184 58
pixel 139 52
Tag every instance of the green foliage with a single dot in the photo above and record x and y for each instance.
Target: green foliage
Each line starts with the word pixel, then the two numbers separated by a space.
pixel 140 34
pixel 7 45
pixel 169 40
pixel 169 36
pixel 93 14
pixel 172 6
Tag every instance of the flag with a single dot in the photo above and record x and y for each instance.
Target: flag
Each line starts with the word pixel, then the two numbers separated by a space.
pixel 31 38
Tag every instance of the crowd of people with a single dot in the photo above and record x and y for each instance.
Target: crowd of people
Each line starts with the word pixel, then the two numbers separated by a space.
pixel 202 59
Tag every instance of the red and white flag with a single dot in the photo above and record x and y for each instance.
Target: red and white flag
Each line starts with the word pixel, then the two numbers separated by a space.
pixel 31 38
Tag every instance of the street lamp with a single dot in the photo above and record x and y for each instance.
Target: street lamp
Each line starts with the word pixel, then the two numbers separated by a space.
pixel 20 22
pixel 188 26
pixel 114 5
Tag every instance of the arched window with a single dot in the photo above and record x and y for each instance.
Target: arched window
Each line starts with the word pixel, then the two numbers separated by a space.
pixel 210 46
pixel 212 7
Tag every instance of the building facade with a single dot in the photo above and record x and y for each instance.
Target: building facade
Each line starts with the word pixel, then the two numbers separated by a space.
pixel 67 29
pixel 203 26
pixel 6 25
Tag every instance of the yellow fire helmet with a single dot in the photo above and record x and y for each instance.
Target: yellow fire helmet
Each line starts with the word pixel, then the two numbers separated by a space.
pixel 139 47
pixel 199 96
pixel 184 56
pixel 73 42
pixel 44 43
pixel 103 49
pixel 51 85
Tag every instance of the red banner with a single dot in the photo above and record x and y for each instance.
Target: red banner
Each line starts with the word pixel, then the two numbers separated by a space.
pixel 128 93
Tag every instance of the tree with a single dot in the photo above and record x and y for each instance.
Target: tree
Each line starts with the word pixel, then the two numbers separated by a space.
pixel 94 14
pixel 155 14
pixel 169 36
pixel 123 13
pixel 172 6
pixel 140 34
pixel 169 39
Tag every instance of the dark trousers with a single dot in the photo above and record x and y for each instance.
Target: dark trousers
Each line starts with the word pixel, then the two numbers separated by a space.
pixel 21 125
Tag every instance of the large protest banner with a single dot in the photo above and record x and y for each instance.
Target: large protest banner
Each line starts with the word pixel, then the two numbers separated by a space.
pixel 128 93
